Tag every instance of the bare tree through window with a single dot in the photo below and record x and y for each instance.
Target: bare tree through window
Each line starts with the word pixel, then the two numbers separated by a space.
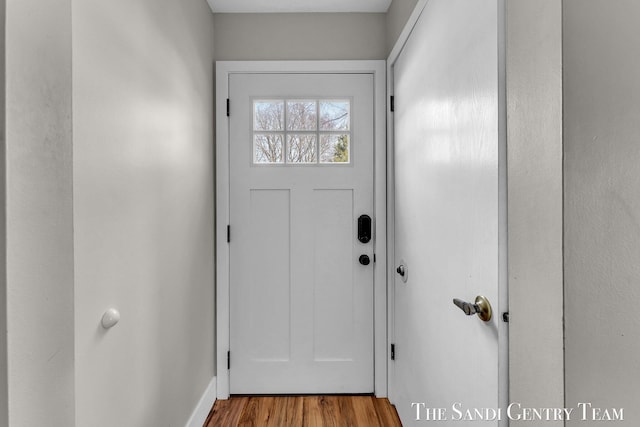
pixel 302 131
pixel 268 117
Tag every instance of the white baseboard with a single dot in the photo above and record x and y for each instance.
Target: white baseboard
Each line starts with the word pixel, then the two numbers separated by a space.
pixel 201 411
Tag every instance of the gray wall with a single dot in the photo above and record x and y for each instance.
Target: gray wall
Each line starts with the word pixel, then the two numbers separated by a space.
pixel 3 233
pixel 396 18
pixel 534 146
pixel 39 213
pixel 602 204
pixel 143 208
pixel 142 155
pixel 300 36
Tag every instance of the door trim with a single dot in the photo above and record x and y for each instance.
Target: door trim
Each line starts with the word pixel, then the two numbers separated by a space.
pixel 223 70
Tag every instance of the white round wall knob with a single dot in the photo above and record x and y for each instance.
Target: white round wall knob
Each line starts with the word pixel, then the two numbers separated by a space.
pixel 110 318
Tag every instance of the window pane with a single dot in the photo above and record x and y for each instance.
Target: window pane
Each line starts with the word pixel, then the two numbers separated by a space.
pixel 335 115
pixel 302 115
pixel 268 115
pixel 334 148
pixel 268 148
pixel 301 149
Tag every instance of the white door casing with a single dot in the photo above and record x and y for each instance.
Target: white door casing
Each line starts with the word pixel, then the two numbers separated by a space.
pixel 260 349
pixel 449 209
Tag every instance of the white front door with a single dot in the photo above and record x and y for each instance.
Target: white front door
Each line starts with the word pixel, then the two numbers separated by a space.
pixel 301 290
pixel 448 211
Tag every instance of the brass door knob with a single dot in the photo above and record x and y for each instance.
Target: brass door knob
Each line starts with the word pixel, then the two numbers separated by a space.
pixel 481 307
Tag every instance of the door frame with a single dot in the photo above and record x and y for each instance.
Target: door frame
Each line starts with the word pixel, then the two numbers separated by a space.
pixel 223 71
pixel 503 285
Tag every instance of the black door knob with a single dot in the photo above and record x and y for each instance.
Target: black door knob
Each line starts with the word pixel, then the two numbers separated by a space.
pixel 364 259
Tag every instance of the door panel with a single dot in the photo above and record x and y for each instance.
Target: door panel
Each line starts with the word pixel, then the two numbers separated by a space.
pixel 446 141
pixel 270 315
pixel 334 274
pixel 301 161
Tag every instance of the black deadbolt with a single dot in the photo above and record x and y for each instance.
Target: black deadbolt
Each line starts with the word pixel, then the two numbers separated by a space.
pixel 364 259
pixel 364 228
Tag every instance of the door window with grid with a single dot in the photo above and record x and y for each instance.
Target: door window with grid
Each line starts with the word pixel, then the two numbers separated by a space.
pixel 301 131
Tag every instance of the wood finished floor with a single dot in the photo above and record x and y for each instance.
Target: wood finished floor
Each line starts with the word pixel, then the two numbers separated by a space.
pixel 303 411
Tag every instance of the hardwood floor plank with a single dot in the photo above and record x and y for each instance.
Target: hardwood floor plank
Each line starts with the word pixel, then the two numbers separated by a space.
pixel 251 413
pixel 365 410
pixel 331 415
pixel 348 413
pixel 303 411
pixel 288 411
pixel 387 413
pixel 227 412
pixel 212 413
pixel 312 413
pixel 262 410
pixel 266 406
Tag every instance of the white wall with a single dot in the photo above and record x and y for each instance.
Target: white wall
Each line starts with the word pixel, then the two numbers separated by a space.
pixel 285 36
pixel 534 176
pixel 602 204
pixel 39 213
pixel 143 207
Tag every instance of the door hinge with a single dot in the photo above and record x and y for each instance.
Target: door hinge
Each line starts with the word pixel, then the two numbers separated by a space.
pixel 228 107
pixel 505 317
pixel 374 257
pixel 228 233
pixel 393 352
pixel 228 360
pixel 392 103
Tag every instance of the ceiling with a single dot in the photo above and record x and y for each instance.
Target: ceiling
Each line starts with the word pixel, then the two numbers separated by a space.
pixel 293 6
